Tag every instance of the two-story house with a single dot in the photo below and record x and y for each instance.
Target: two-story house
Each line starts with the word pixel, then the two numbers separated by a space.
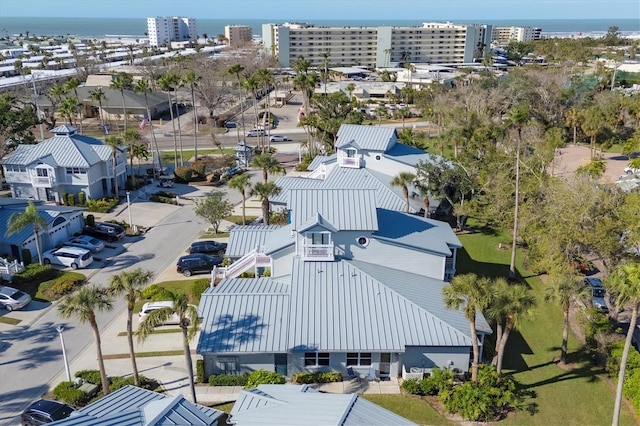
pixel 66 163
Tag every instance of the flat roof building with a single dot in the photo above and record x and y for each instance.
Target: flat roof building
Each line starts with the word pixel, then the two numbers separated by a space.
pixel 163 30
pixel 508 34
pixel 384 46
pixel 237 35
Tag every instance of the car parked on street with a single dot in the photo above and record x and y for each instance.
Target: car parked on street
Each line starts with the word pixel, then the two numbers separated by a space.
pixel 105 231
pixel 197 263
pixel 86 242
pixel 598 293
pixel 75 257
pixel 278 138
pixel 208 247
pixel 45 411
pixel 12 298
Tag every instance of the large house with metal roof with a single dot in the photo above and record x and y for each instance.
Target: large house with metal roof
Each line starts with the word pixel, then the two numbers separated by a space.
pixel 354 283
pixel 302 405
pixel 134 406
pixel 66 163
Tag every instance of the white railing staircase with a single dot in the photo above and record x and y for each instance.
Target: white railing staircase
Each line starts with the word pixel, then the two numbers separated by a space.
pixel 254 259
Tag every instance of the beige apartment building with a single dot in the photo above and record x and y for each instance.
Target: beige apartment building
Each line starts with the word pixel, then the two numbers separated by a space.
pixel 237 35
pixel 507 34
pixel 376 47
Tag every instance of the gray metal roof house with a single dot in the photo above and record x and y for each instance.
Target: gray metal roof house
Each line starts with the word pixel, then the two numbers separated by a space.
pixel 65 163
pixel 302 405
pixel 133 406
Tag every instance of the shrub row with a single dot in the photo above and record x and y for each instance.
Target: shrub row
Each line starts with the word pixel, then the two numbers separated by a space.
pixel 631 389
pixel 103 205
pixel 62 285
pixel 35 272
pixel 191 173
pixel 264 377
pixel 69 393
pixel 161 199
pixel 306 378
pixel 155 292
pixel 227 380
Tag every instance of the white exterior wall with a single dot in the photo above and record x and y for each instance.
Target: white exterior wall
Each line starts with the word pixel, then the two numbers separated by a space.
pixel 163 30
pixel 282 263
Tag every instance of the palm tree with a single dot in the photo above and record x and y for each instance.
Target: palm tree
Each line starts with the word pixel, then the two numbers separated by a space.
pixel 518 118
pixel 191 79
pixel 188 315
pixel 130 284
pixel 264 76
pixel 350 88
pixel 564 287
pixel 472 294
pixel 56 93
pixel 114 142
pixel 30 217
pixel 140 152
pixel 264 191
pixel 83 304
pixel 73 84
pixel 241 183
pixel 166 83
pixel 236 70
pixel 97 94
pixel 509 304
pixel 403 180
pixel 268 164
pixel 121 82
pixel 142 86
pixel 68 108
pixel 131 137
pixel 625 282
pixel 573 117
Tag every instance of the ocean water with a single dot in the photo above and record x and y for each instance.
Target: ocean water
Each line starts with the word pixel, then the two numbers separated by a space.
pixel 136 28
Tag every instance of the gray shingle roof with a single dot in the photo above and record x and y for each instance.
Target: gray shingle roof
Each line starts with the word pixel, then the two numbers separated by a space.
pixel 299 405
pixel 416 232
pixel 243 239
pixel 368 138
pixel 344 209
pixel 133 406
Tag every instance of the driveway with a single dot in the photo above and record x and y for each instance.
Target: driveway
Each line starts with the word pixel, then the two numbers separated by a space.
pixel 570 157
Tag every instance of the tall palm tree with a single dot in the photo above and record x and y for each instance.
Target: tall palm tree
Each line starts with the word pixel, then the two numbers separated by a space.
pixel 56 93
pixel 563 288
pixel 241 183
pixel 122 82
pixel 236 70
pixel 166 83
pixel 264 76
pixel 130 284
pixel 625 282
pixel 73 84
pixel 83 304
pixel 573 117
pixel 350 88
pixel 132 138
pixel 518 118
pixel 143 86
pixel 268 164
pixel 191 79
pixel 114 142
pixel 30 217
pixel 471 293
pixel 509 304
pixel 97 94
pixel 403 180
pixel 252 85
pixel 68 108
pixel 264 191
pixel 188 315
pixel 140 152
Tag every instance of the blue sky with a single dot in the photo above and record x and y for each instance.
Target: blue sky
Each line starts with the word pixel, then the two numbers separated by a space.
pixel 327 9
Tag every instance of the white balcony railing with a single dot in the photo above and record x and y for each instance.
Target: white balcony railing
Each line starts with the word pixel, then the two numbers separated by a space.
pixel 353 162
pixel 42 181
pixel 318 252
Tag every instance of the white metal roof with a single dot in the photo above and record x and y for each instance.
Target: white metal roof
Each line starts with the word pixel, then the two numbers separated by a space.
pixel 369 138
pixel 243 239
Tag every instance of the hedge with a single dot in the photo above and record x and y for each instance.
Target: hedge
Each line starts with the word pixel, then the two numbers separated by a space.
pixel 103 205
pixel 67 392
pixel 91 376
pixel 264 377
pixel 62 285
pixel 35 272
pixel 199 286
pixel 155 292
pixel 306 378
pixel 227 380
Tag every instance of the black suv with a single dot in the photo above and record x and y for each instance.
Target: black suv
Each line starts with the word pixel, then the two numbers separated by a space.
pixel 208 247
pixel 197 263
pixel 45 411
pixel 105 231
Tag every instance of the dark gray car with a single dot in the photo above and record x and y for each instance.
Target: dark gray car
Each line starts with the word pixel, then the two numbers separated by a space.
pixel 45 411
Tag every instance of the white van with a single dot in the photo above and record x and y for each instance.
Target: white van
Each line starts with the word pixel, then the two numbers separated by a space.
pixel 68 256
pixel 149 307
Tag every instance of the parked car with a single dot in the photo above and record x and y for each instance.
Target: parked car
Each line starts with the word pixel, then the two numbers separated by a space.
pixel 12 298
pixel 197 263
pixel 278 138
pixel 631 170
pixel 105 231
pixel 208 247
pixel 598 293
pixel 86 242
pixel 149 307
pixel 255 132
pixel 45 411
pixel 75 257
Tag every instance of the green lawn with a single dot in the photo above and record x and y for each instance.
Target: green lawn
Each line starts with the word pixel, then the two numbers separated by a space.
pixel 410 407
pixel 578 396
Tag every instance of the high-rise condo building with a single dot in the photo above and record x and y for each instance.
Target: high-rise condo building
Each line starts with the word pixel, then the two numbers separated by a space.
pixel 507 34
pixel 237 35
pixel 164 30
pixel 385 46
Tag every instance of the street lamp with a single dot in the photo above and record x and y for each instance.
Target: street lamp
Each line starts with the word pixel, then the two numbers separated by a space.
pixel 129 210
pixel 64 353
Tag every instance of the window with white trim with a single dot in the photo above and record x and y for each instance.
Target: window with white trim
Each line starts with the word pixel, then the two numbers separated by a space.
pixel 359 359
pixel 320 238
pixel 314 359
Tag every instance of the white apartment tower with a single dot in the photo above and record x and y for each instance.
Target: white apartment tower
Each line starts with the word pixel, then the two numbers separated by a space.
pixel 507 34
pixel 383 46
pixel 164 30
pixel 237 35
